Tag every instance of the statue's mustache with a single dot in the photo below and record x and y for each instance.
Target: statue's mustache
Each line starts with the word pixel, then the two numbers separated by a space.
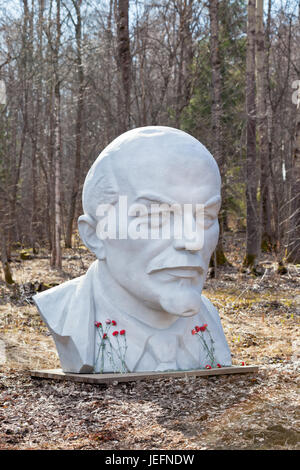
pixel 185 261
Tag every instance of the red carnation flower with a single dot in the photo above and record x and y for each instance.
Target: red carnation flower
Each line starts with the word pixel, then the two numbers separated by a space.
pixel 104 336
pixel 203 327
pixel 207 366
pixel 197 328
pixel 193 332
pixel 243 363
pixel 122 332
pixel 219 365
pixel 115 333
pixel 97 324
pixel 113 322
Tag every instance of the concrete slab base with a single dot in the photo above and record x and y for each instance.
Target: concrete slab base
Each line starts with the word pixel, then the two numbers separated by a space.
pixel 58 374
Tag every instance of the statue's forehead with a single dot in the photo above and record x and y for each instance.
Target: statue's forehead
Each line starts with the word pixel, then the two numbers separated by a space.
pixel 166 170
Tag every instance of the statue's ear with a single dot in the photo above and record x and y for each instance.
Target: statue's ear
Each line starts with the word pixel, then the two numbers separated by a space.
pixel 87 232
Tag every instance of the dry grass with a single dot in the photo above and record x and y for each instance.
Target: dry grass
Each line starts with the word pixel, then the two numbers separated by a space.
pixel 260 316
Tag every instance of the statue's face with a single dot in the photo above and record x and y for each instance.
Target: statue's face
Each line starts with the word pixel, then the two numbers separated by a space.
pixel 166 274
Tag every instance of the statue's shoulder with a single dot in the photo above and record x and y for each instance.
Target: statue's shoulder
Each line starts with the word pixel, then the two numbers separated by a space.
pixel 70 300
pixel 53 304
pixel 66 288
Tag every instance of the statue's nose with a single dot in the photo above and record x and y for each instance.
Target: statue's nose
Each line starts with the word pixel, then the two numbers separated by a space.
pixel 187 245
pixel 192 236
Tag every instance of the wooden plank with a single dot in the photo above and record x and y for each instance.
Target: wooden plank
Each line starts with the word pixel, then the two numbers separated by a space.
pixel 107 378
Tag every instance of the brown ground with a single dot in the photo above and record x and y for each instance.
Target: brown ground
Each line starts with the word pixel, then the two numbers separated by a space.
pixel 260 316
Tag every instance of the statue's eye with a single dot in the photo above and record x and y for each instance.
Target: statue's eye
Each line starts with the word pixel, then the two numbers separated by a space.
pixel 158 219
pixel 143 219
pixel 209 220
pixel 206 219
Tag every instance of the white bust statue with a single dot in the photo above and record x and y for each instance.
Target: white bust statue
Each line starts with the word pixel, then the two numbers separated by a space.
pixel 149 286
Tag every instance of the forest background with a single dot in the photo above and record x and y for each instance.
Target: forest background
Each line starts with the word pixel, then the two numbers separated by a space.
pixel 75 74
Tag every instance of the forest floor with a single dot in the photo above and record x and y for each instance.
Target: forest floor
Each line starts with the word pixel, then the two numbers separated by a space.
pixel 260 317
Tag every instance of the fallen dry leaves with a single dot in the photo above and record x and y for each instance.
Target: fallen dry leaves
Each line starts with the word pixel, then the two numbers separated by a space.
pixel 260 316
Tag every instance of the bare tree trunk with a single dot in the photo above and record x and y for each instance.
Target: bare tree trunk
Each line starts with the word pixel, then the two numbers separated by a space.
pixel 252 239
pixel 184 72
pixel 265 209
pixel 56 248
pixel 48 170
pixel 293 248
pixel 216 114
pixel 80 78
pixel 23 72
pixel 142 34
pixel 34 126
pixel 293 240
pixel 5 265
pixel 110 128
pixel 124 63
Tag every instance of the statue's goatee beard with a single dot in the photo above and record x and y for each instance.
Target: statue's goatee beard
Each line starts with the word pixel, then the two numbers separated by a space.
pixel 182 302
